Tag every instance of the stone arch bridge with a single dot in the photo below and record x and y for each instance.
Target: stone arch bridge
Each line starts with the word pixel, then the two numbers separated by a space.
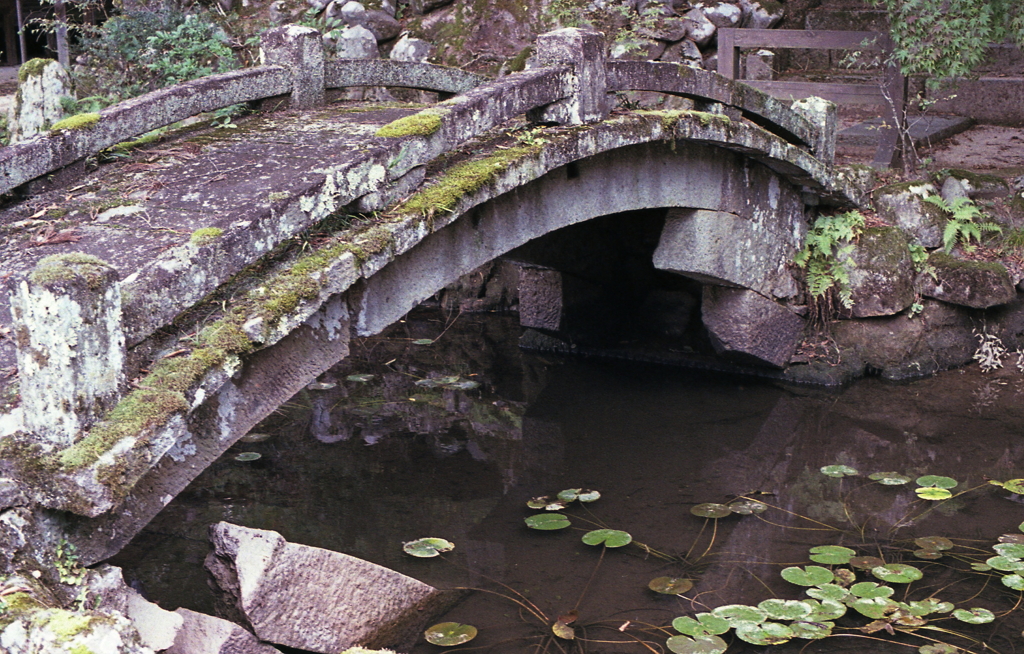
pixel 160 307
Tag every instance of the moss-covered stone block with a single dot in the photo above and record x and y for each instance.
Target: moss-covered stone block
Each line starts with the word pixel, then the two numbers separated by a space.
pixel 903 205
pixel 976 284
pixel 882 275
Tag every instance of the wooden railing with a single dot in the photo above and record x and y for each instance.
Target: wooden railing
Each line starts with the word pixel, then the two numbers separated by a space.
pixel 890 93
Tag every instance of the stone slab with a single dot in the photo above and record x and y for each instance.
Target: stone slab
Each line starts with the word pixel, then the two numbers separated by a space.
pixel 748 327
pixel 205 634
pixel 925 130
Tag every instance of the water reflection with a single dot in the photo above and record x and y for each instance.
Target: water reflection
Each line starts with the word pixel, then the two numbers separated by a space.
pixel 394 445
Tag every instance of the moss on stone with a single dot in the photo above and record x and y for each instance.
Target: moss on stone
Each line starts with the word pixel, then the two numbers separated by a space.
pixel 670 118
pixel 80 649
pixel 278 196
pixel 518 62
pixel 80 121
pixel 423 123
pixel 940 259
pixel 55 269
pixel 32 68
pixel 205 235
pixel 65 625
pixel 462 179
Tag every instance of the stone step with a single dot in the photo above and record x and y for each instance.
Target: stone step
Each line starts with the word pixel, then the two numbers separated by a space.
pixel 925 130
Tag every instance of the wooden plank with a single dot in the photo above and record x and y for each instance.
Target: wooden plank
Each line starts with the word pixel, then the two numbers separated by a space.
pixel 728 55
pixel 838 93
pixel 804 39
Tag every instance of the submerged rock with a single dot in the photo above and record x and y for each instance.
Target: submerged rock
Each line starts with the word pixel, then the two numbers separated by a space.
pixel 748 327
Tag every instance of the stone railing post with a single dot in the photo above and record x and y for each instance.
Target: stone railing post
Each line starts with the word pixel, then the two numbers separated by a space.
pixel 584 52
pixel 70 345
pixel 301 50
pixel 822 114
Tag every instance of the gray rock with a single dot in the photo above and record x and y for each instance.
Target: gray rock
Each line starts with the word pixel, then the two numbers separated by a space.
pixel 672 28
pixel 384 26
pixel 157 628
pixel 637 49
pixel 49 631
pixel 686 51
pixel 351 10
pixel 205 634
pixel 721 14
pixel 37 104
pixel 761 14
pixel 701 30
pixel 976 284
pixel 314 599
pixel 555 301
pixel 822 113
pixel 410 49
pixel 759 65
pixel 903 205
pixel 952 189
pixel 316 4
pixel 356 42
pixel 882 277
pixel 750 328
pixel 981 186
pixel 425 6
pixel 278 12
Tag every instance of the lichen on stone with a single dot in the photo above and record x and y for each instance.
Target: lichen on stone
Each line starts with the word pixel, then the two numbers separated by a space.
pixel 205 235
pixel 51 271
pixel 79 121
pixel 424 123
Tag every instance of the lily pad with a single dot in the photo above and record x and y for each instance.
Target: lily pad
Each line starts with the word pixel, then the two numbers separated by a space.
pixel 670 585
pixel 937 481
pixel 538 502
pixel 873 607
pixel 425 548
pixel 897 573
pixel 938 648
pixel 547 521
pixel 245 457
pixel 889 478
pixel 825 610
pixel 765 633
pixel 747 507
pixel 254 437
pixel 449 634
pixel 698 645
pixel 928 555
pixel 866 562
pixel 423 341
pixel 427 383
pixel 934 543
pixel 361 378
pixel 320 386
pixel 740 613
pixel 711 510
pixel 607 537
pixel 1014 581
pixel 871 589
pixel 844 577
pixel 980 567
pixel 569 494
pixel 1010 550
pixel 839 471
pixel 780 609
pixel 812 575
pixel 832 554
pixel 932 493
pixel 589 496
pixel 563 630
pixel 811 630
pixel 1015 486
pixel 703 624
pixel 928 606
pixel 1004 564
pixel 828 592
pixel 974 616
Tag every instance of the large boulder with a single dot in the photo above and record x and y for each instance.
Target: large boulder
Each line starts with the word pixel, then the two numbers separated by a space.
pixel 761 14
pixel 882 274
pixel 314 599
pixel 903 205
pixel 702 30
pixel 356 42
pixel 750 328
pixel 976 284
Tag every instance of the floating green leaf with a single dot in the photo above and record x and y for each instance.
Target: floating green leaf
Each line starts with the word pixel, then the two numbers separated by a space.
pixel 781 609
pixel 980 567
pixel 538 502
pixel 812 575
pixel 547 521
pixel 928 555
pixel 1014 581
pixel 866 562
pixel 897 573
pixel 423 341
pixel 245 457
pixel 765 633
pixel 873 607
pixel 934 543
pixel 929 606
pixel 827 609
pixel 812 630
pixel 670 585
pixel 361 378
pixel 320 386
pixel 871 589
pixel 839 471
pixel 1010 550
pixel 828 592
pixel 563 630
pixel 889 478
pixel 739 613
pixel 703 624
pixel 932 493
pixel 832 554
pixel 589 496
pixel 1015 486
pixel 425 548
pixel 747 507
pixel 464 385
pixel 698 645
pixel 1004 564
pixel 607 537
pixel 254 437
pixel 711 510
pixel 938 648
pixel 449 634
pixel 974 616
pixel 569 494
pixel 937 481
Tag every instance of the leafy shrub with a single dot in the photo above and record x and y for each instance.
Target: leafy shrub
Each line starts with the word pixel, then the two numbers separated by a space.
pixel 961 227
pixel 141 51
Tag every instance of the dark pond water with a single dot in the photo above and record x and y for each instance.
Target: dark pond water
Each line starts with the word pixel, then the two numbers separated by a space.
pixel 361 465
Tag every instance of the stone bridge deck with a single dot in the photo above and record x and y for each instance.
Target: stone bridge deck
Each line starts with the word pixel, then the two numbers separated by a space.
pixel 232 249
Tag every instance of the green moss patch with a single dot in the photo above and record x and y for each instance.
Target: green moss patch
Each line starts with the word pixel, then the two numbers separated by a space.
pixel 55 269
pixel 81 121
pixel 65 625
pixel 423 123
pixel 205 235
pixel 32 68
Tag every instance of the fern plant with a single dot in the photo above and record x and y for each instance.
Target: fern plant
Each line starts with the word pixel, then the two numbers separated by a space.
pixel 826 256
pixel 961 227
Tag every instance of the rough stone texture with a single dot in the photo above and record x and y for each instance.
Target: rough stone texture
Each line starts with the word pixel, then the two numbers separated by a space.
pixel 759 65
pixel 952 189
pixel 701 29
pixel 356 42
pixel 716 247
pixel 638 49
pixel 71 348
pixel 157 628
pixel 980 186
pixel 315 599
pixel 748 327
pixel 904 206
pixel 387 72
pixel 761 14
pixel 686 51
pixel 822 114
pixel 721 14
pixel 584 51
pixel 383 25
pixel 410 49
pixel 300 50
pixel 671 28
pixel 556 301
pixel 46 631
pixel 37 103
pixel 882 277
pixel 426 6
pixel 976 284
pixel 205 634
